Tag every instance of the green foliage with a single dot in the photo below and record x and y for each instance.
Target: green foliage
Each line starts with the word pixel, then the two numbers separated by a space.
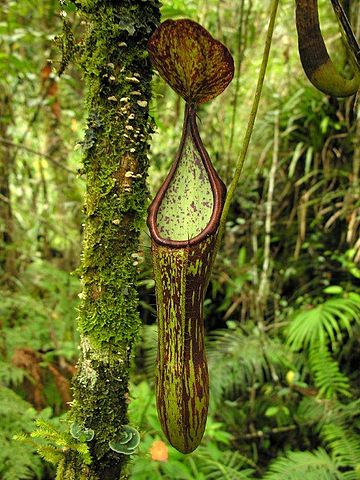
pixel 345 447
pixel 213 460
pixel 215 464
pixel 283 360
pixel 326 372
pixel 325 322
pixel 17 461
pixel 44 304
pixel 317 465
pixel 54 444
pixel 239 359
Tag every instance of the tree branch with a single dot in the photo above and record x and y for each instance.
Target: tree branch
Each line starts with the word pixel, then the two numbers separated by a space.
pixel 36 152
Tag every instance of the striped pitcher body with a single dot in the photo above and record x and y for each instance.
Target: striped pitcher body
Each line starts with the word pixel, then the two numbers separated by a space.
pixel 182 375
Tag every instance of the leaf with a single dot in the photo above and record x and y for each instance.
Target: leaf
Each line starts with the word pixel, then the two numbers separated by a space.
pixel 317 325
pixel 333 289
pixel 195 65
pixel 345 445
pixel 229 466
pixel 317 465
pixel 271 411
pixel 328 377
pixel 176 469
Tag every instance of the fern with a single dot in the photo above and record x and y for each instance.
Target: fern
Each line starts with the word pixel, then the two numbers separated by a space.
pixel 230 466
pixel 311 411
pixel 323 323
pixel 10 375
pixel 45 294
pixel 17 467
pixel 149 349
pixel 317 465
pixel 17 460
pixel 237 359
pixel 345 446
pixel 327 375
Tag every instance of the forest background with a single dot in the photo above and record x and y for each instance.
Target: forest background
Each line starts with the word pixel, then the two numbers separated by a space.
pixel 282 310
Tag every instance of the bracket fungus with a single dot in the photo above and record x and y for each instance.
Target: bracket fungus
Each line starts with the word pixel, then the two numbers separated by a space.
pixel 314 56
pixel 127 442
pixel 183 220
pixel 81 434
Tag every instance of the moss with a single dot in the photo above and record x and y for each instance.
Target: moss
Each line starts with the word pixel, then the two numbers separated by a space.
pixel 118 74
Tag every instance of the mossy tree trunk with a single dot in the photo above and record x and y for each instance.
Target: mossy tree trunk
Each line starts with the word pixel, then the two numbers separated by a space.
pixel 118 74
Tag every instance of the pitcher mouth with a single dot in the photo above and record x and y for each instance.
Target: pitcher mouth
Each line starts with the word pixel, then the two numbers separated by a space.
pixel 217 187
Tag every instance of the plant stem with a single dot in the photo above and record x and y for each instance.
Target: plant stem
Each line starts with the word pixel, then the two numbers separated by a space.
pixel 240 53
pixel 348 34
pixel 250 125
pixel 264 282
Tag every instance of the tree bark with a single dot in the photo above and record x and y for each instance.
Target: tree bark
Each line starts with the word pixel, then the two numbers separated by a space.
pixel 118 74
pixel 7 249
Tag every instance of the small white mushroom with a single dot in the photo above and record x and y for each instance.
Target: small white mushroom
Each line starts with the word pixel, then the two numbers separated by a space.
pixel 132 79
pixel 142 103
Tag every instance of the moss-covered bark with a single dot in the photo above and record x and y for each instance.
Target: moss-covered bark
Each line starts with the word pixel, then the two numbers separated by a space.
pixel 118 74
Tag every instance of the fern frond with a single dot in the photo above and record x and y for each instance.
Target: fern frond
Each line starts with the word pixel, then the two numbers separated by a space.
pixel 345 414
pixel 327 375
pixel 19 471
pixel 10 375
pixel 345 446
pixel 17 458
pixel 12 405
pixel 317 465
pixel 18 461
pixel 229 467
pixel 323 323
pixel 237 360
pixel 149 348
pixel 311 411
